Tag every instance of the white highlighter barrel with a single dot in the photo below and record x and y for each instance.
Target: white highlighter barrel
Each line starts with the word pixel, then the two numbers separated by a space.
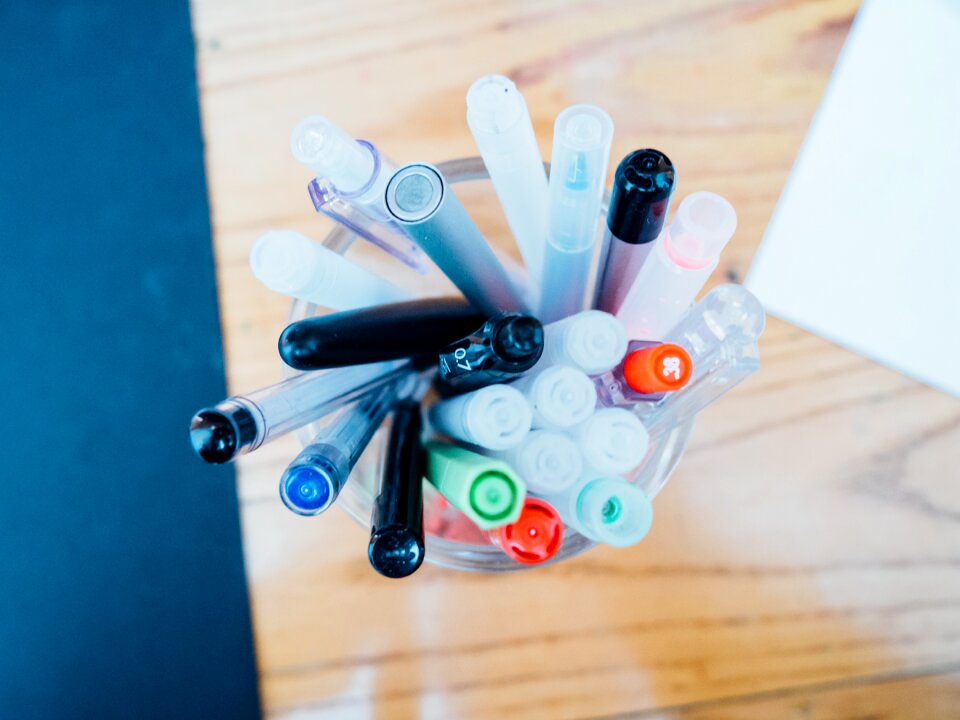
pixel 560 396
pixel 593 341
pixel 496 417
pixel 613 441
pixel 501 126
pixel 292 264
pixel 548 462
pixel 681 262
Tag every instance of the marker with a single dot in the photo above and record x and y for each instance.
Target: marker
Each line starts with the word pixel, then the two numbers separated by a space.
pixel 642 187
pixel 560 396
pixel 679 265
pixel 315 477
pixel 355 168
pixel 397 546
pixel 613 441
pixel 501 126
pixel 500 350
pixel 415 328
pixel 495 417
pixel 292 264
pixel 535 536
pixel 592 341
pixel 485 490
pixel 606 510
pixel 549 462
pixel 720 333
pixel 649 371
pixel 419 200
pixel 581 150
pixel 242 423
pixel 385 234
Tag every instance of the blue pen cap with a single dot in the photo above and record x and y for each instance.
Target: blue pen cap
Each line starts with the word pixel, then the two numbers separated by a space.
pixel 309 489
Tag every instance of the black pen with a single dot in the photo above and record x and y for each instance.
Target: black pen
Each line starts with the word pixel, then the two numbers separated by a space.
pixel 419 328
pixel 396 547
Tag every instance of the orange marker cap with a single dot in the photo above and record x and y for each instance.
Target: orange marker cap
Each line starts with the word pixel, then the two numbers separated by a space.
pixel 536 535
pixel 661 368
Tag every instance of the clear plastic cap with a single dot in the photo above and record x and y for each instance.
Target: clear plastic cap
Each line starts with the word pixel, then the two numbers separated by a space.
pixel 494 105
pixel 612 511
pixel 287 262
pixel 561 396
pixel 332 154
pixel 594 341
pixel 613 441
pixel 726 310
pixel 701 228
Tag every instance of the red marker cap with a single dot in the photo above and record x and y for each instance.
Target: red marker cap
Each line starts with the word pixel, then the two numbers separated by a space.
pixel 536 535
pixel 661 368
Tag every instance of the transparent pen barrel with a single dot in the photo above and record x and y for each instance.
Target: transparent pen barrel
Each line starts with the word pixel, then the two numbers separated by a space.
pixel 355 426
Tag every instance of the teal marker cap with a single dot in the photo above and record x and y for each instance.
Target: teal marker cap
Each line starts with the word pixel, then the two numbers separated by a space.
pixel 486 490
pixel 610 510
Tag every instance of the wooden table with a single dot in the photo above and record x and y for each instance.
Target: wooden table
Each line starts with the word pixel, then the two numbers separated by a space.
pixel 805 559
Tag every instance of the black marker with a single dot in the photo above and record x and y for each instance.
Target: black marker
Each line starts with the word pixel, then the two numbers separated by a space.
pixel 639 201
pixel 396 547
pixel 505 346
pixel 383 332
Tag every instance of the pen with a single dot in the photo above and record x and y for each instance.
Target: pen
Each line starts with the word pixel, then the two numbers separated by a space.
pixel 581 150
pixel 397 546
pixel 649 371
pixel 385 234
pixel 500 350
pixel 484 489
pixel 355 168
pixel 642 187
pixel 501 126
pixel 495 417
pixel 418 198
pixel 560 396
pixel 592 341
pixel 535 536
pixel 720 333
pixel 548 461
pixel 678 266
pixel 315 477
pixel 606 510
pixel 613 441
pixel 418 328
pixel 242 423
pixel 292 264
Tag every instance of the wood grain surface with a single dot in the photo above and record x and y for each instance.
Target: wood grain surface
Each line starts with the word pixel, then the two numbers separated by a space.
pixel 805 558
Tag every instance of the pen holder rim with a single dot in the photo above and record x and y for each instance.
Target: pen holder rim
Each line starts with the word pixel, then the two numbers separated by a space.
pixel 357 499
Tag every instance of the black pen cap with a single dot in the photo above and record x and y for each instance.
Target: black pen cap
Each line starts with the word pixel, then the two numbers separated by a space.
pixel 397 547
pixel 221 433
pixel 640 198
pixel 518 339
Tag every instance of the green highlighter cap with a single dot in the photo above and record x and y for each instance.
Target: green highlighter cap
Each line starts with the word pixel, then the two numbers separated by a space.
pixel 486 490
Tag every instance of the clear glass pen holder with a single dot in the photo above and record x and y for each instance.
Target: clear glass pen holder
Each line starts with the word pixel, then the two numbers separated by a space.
pixel 452 539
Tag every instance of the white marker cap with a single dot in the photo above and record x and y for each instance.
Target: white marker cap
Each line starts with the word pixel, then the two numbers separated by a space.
pixel 561 396
pixel 594 341
pixel 331 153
pixel 700 229
pixel 496 417
pixel 548 462
pixel 613 441
pixel 610 510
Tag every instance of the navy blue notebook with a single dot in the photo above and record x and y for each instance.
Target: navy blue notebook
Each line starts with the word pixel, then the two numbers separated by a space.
pixel 122 587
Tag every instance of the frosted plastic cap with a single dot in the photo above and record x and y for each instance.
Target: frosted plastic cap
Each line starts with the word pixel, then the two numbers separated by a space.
pixel 613 441
pixel 729 308
pixel 497 417
pixel 562 396
pixel 614 512
pixel 331 153
pixel 549 462
pixel 594 341
pixel 286 261
pixel 701 228
pixel 494 104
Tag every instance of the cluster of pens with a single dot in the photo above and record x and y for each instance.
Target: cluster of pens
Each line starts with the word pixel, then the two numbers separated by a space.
pixel 544 411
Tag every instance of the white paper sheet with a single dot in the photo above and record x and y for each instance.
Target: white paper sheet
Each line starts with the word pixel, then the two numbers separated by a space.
pixel 864 246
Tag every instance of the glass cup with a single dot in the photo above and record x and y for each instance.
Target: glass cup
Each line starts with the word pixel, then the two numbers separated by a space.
pixel 453 541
